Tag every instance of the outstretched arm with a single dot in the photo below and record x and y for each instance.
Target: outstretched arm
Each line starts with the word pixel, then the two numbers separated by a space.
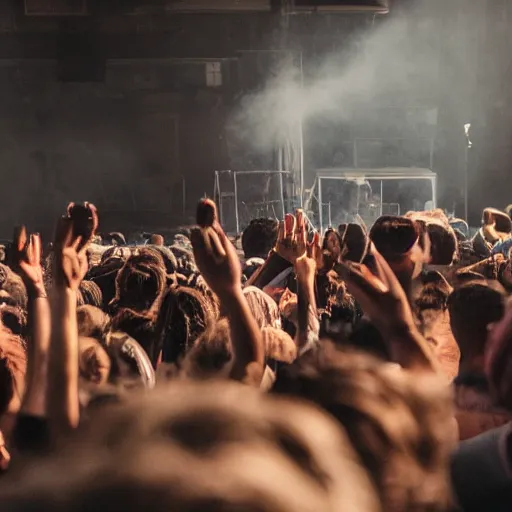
pixel 27 263
pixel 70 267
pixel 383 299
pixel 219 264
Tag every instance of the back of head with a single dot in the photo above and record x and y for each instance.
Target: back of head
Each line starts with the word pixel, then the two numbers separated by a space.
pixel 185 315
pixel 92 321
pixel 473 306
pixel 434 292
pixel 394 235
pixel 140 282
pixel 93 362
pixel 90 294
pixel 443 244
pixel 170 261
pixel 211 355
pixel 501 220
pixel 354 241
pixel 259 237
pixel 209 448
pixel 399 423
pixel 104 275
pixel 157 240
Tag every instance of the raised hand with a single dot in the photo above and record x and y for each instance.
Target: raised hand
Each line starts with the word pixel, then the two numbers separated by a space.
pixel 215 255
pixel 219 264
pixel 292 237
pixel 72 237
pixel 306 265
pixel 384 300
pixel 26 261
pixel 315 252
pixel 380 295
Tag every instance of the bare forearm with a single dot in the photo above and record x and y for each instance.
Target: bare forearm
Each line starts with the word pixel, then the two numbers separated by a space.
pixel 34 401
pixel 306 303
pixel 246 339
pixel 62 398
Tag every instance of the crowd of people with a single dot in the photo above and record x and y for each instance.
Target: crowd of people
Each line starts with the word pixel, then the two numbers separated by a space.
pixel 288 370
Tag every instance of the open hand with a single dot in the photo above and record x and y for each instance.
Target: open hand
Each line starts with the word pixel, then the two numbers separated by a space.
pixel 380 295
pixel 292 237
pixel 306 265
pixel 26 261
pixel 70 262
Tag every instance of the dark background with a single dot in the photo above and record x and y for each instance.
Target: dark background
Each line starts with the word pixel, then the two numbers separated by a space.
pixel 114 106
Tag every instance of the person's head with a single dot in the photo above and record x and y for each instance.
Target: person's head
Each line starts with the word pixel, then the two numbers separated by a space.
pixel 141 282
pixel 354 241
pixel 399 240
pixel 501 220
pixel 443 244
pixel 93 362
pixel 92 322
pixel 211 356
pixel 157 240
pixel 104 275
pixel 259 237
pixel 279 346
pixel 13 318
pixel 89 293
pixel 473 308
pixel 192 447
pixel 434 292
pixel 13 286
pixel 398 422
pixel 331 248
pixel 170 261
pixel 185 315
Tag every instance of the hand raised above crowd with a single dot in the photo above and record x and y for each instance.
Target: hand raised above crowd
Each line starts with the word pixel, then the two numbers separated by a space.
pixel 72 237
pixel 26 261
pixel 220 266
pixel 292 237
pixel 215 255
pixel 383 299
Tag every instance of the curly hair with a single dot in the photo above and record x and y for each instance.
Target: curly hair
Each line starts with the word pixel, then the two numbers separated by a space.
pixel 89 294
pixel 259 237
pixel 140 283
pixel 185 314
